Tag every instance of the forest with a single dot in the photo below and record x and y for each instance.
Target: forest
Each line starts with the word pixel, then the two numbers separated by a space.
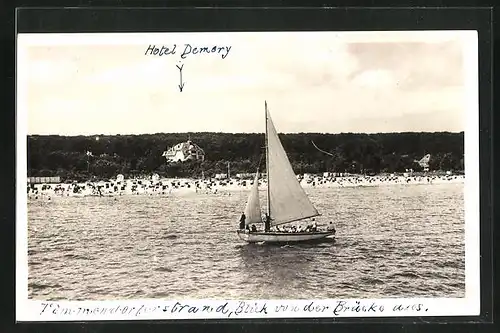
pixel 141 155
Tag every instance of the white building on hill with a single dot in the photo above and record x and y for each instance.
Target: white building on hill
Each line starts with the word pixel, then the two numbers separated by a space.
pixel 184 151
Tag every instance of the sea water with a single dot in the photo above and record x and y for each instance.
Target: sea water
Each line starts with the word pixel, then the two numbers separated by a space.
pixel 392 241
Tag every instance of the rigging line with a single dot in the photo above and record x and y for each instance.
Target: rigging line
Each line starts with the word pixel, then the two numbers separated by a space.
pixel 267 162
pixel 260 162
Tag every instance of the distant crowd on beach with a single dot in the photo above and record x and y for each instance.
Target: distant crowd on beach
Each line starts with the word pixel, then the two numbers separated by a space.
pixel 156 186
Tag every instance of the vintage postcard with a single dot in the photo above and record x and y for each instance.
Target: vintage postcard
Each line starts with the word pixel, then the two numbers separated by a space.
pixel 247 175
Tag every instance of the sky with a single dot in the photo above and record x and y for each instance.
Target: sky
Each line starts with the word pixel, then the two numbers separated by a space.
pixel 326 82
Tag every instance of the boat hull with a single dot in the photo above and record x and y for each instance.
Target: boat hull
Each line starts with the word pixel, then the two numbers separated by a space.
pixel 283 237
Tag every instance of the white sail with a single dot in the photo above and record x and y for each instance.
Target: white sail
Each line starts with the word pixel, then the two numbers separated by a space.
pixel 252 209
pixel 287 199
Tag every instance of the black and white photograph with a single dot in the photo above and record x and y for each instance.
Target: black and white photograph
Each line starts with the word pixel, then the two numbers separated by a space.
pixel 237 167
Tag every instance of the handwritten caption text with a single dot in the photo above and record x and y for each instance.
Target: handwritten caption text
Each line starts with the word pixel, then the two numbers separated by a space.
pixel 188 50
pixel 231 309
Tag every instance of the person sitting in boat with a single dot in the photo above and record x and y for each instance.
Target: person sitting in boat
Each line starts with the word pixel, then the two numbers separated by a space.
pixel 331 228
pixel 254 228
pixel 242 221
pixel 309 228
pixel 277 229
pixel 267 223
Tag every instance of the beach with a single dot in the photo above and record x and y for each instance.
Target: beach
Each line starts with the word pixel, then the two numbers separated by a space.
pixel 169 186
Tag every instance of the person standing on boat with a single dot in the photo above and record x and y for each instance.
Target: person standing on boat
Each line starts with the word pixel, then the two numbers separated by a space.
pixel 267 223
pixel 314 227
pixel 331 228
pixel 242 221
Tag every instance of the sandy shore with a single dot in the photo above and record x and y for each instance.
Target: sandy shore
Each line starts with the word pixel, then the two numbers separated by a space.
pixel 220 187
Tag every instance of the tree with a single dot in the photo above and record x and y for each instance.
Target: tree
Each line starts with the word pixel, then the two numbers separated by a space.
pixel 142 154
pixel 446 162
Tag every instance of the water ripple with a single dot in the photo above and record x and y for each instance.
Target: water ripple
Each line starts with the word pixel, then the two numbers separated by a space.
pixel 393 241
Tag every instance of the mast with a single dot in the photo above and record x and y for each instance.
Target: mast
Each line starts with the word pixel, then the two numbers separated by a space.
pixel 267 169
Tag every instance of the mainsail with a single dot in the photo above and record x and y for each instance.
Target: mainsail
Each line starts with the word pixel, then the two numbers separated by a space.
pixel 287 199
pixel 252 209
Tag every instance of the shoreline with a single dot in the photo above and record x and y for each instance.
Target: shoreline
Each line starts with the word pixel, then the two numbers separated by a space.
pixel 169 186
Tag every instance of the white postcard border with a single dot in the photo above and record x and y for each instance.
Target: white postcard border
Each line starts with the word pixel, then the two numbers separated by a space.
pixel 30 310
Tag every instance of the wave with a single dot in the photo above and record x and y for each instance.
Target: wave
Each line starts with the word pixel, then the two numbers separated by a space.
pixel 77 256
pixel 163 269
pixel 170 236
pixel 405 275
pixel 43 285
pixel 453 264
pixel 371 280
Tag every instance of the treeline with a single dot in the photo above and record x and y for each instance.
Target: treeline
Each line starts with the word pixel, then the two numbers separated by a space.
pixel 134 155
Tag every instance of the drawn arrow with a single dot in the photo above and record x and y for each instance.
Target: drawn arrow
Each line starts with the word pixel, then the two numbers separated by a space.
pixel 181 85
pixel 321 149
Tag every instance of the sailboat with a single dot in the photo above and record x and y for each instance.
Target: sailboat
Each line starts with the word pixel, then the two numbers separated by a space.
pixel 286 199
